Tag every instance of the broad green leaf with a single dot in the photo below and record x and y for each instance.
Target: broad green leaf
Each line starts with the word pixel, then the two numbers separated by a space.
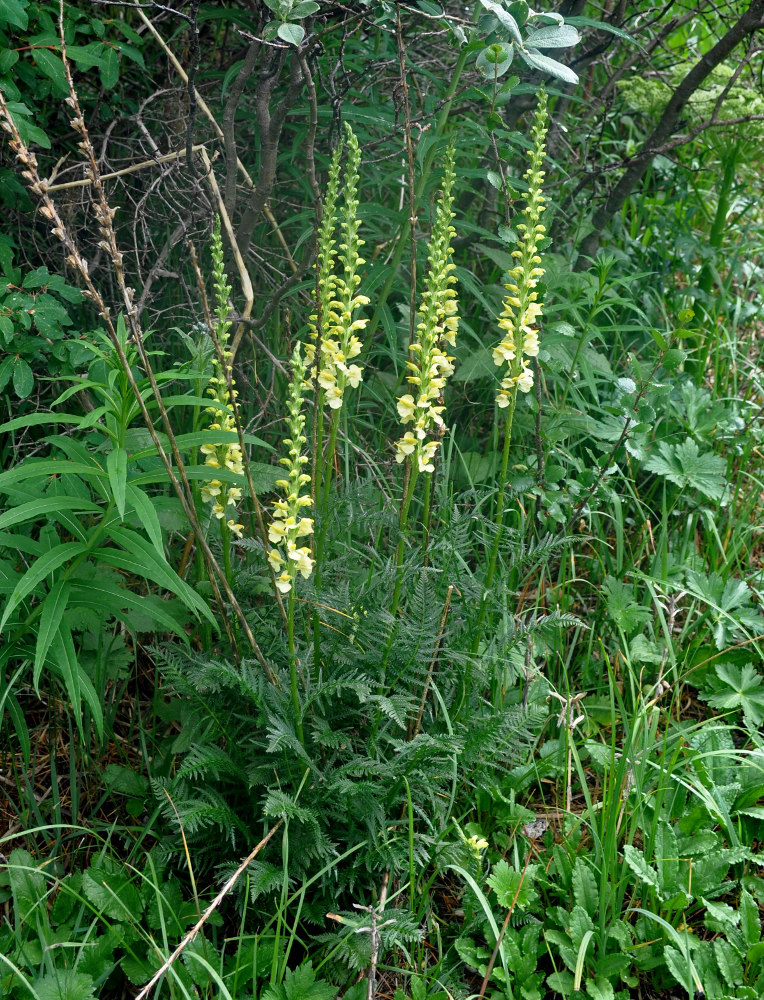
pixel 37 572
pixel 14 12
pixel 505 19
pixel 53 608
pixel 45 505
pixel 116 466
pixel 729 962
pixel 27 885
pixel 494 61
pixel 109 68
pixel 304 9
pixel 23 378
pixel 559 36
pixel 86 56
pixel 293 34
pixel 52 66
pixel 541 62
pixel 622 608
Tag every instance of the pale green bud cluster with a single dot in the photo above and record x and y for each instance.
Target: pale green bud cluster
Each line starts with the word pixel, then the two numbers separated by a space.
pixel 288 557
pixel 521 312
pixel 334 328
pixel 438 324
pixel 222 456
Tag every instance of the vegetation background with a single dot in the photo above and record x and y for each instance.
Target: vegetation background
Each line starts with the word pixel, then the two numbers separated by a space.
pixel 380 539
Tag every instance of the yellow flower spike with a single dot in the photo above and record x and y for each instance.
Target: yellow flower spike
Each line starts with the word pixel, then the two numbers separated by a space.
pixel 521 308
pixel 439 322
pixel 336 296
pixel 289 524
pixel 226 455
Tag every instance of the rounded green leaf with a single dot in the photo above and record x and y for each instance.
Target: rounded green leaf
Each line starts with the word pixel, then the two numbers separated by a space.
pixel 293 34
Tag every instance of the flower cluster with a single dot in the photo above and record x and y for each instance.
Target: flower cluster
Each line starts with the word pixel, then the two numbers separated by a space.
pixel 521 312
pixel 334 328
pixel 288 526
pixel 222 456
pixel 438 323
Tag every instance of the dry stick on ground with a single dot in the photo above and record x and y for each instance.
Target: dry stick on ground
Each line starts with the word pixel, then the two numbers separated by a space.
pixel 752 20
pixel 208 912
pixel 504 926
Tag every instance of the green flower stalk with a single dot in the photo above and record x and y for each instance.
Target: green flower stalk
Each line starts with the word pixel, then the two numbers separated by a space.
pixel 338 298
pixel 522 310
pixel 228 455
pixel 518 320
pixel 438 324
pixel 288 557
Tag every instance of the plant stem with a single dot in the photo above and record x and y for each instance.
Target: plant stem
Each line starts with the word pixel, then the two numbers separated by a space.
pixel 402 525
pixel 498 520
pixel 293 667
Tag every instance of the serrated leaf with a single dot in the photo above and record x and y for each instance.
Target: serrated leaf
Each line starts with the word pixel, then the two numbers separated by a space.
pixel 683 465
pixel 109 888
pixel 741 689
pixel 750 922
pixel 636 861
pixel 622 609
pixel 585 891
pixel 729 962
pixel 680 968
pixel 600 988
pixel 300 984
pixel 64 984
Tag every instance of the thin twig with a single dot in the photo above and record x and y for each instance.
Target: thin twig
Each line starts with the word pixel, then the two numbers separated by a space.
pixel 86 181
